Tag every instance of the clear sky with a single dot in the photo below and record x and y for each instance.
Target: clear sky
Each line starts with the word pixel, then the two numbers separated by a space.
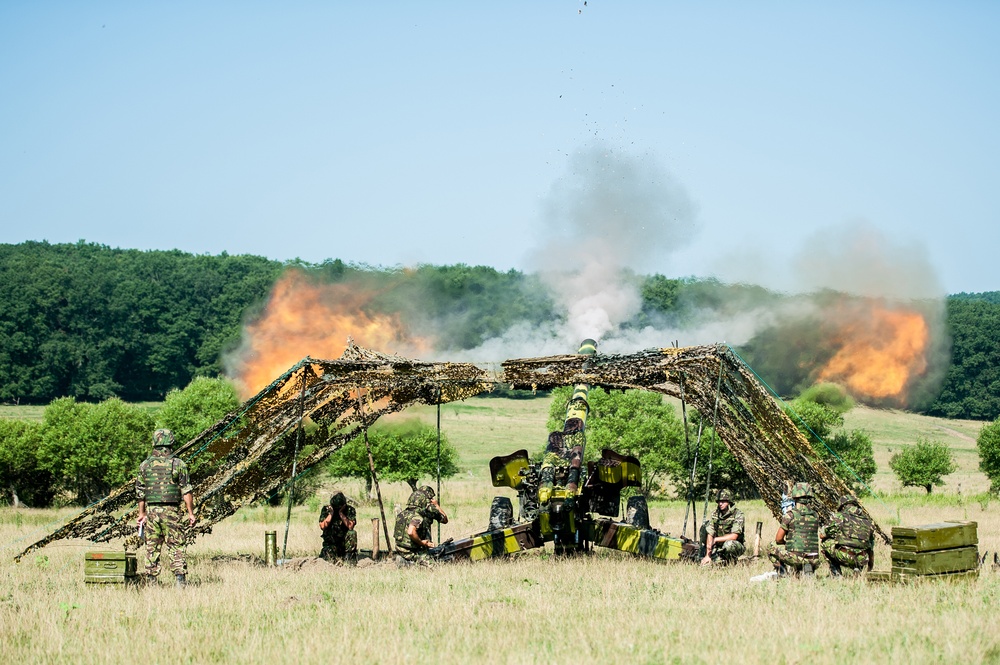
pixel 428 132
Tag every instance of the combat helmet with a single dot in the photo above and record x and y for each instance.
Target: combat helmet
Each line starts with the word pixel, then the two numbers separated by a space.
pixel 163 438
pixel 427 490
pixel 801 491
pixel 725 495
pixel 847 500
pixel 418 500
pixel 338 500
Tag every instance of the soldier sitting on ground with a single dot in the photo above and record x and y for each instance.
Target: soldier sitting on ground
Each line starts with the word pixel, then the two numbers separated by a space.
pixel 337 520
pixel 413 526
pixel 849 538
pixel 722 533
pixel 796 545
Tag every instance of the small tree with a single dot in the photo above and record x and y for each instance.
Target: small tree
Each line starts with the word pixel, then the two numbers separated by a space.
pixel 405 451
pixel 988 445
pixel 923 464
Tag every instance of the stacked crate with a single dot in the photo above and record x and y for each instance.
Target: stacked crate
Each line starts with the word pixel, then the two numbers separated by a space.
pixel 942 550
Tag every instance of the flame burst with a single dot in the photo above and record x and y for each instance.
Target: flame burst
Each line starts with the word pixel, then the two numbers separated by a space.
pixel 880 351
pixel 303 318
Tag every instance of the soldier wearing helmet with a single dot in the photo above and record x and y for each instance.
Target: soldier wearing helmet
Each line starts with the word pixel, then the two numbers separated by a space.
pixel 722 533
pixel 796 545
pixel 162 487
pixel 337 520
pixel 848 540
pixel 413 525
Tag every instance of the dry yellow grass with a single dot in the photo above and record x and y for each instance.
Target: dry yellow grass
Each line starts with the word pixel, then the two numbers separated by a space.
pixel 535 608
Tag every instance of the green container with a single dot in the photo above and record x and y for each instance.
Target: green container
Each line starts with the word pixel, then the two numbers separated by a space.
pixel 933 563
pixel 933 537
pixel 109 568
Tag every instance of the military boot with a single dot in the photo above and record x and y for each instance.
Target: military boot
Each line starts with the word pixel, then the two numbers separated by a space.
pixel 181 581
pixel 807 568
pixel 834 568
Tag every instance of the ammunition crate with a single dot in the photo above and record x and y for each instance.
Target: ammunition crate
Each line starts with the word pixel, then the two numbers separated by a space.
pixel 931 563
pixel 109 568
pixel 933 537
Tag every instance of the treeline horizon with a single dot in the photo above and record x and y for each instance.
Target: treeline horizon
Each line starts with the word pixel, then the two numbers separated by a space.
pixel 88 321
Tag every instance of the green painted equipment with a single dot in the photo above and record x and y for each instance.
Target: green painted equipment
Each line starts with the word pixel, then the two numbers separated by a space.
pixel 109 568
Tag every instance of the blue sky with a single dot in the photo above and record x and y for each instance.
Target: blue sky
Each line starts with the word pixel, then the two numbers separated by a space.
pixel 401 133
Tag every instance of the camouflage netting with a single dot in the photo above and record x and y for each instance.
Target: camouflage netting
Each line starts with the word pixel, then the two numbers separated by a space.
pixel 763 439
pixel 247 456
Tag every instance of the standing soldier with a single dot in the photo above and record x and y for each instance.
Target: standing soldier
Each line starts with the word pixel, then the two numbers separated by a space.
pixel 849 538
pixel 413 526
pixel 161 486
pixel 722 534
pixel 337 520
pixel 796 545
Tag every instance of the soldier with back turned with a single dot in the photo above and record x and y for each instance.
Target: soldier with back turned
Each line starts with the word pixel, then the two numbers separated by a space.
pixel 848 539
pixel 413 526
pixel 796 545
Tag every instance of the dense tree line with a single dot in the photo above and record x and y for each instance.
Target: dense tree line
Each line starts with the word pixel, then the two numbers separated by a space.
pixel 971 386
pixel 91 322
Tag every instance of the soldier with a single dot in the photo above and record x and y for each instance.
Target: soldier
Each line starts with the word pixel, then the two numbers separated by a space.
pixel 849 538
pixel 337 520
pixel 161 486
pixel 413 525
pixel 796 545
pixel 722 534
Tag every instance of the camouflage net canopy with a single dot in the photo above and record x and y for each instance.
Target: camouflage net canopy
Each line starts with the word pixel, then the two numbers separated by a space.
pixel 248 455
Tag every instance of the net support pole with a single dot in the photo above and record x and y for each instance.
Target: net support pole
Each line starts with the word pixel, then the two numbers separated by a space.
pixel 295 461
pixel 371 467
pixel 439 457
pixel 711 448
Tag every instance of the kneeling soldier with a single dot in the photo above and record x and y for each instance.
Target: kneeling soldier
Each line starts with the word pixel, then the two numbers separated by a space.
pixel 722 534
pixel 796 545
pixel 849 538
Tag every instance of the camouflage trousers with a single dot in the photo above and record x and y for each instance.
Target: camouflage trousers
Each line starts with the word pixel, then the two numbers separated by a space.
pixel 728 550
pixel 779 555
pixel 421 557
pixel 849 557
pixel 165 526
pixel 350 549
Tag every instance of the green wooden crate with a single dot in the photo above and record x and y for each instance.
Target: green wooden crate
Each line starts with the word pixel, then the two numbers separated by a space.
pixel 931 563
pixel 933 537
pixel 109 568
pixel 959 576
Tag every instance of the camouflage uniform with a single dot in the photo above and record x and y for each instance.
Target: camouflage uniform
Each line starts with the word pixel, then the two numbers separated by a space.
pixel 162 483
pixel 722 524
pixel 849 538
pixel 801 525
pixel 421 513
pixel 339 542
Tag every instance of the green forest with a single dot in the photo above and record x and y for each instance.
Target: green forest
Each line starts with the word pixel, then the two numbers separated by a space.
pixel 91 322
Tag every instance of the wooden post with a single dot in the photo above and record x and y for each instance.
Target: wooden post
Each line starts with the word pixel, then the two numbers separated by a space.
pixel 375 543
pixel 756 540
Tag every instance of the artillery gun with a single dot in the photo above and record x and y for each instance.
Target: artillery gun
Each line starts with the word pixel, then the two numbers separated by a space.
pixel 561 502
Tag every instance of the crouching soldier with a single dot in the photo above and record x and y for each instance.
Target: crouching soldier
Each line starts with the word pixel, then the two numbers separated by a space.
pixel 722 534
pixel 337 520
pixel 796 545
pixel 849 539
pixel 413 526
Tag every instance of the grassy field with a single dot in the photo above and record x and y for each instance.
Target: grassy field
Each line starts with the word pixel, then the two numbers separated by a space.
pixel 535 608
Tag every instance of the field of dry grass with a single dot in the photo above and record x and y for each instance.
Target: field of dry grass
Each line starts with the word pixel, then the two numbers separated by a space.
pixel 536 608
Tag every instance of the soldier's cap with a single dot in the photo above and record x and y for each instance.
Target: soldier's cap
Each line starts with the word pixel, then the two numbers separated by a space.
pixel 725 495
pixel 163 438
pixel 427 490
pixel 848 499
pixel 801 491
